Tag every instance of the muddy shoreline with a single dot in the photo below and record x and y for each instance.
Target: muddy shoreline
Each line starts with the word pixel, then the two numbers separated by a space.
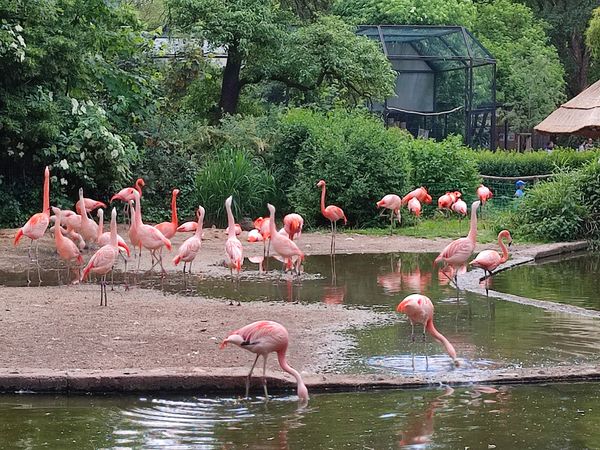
pixel 59 338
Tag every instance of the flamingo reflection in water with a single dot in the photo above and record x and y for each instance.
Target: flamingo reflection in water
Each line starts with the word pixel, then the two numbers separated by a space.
pixel 334 294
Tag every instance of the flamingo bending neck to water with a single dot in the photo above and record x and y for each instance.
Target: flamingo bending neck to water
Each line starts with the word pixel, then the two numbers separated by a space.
pixel 489 260
pixel 264 337
pixel 419 309
pixel 332 213
pixel 392 202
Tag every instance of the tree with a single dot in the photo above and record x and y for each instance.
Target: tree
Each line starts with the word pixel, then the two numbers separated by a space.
pixel 592 34
pixel 568 21
pixel 264 43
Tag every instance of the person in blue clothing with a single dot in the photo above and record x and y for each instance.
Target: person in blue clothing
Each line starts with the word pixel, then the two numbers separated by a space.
pixel 520 184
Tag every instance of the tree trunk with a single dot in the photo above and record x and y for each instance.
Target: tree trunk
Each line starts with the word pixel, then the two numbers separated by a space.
pixel 581 56
pixel 230 89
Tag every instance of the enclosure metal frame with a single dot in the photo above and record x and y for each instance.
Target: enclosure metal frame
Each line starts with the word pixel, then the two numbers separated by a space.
pixel 469 62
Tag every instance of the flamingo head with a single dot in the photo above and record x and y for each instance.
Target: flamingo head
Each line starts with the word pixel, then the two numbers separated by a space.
pixel 475 204
pixel 100 213
pixel 200 213
pixel 175 192
pixel 140 182
pixel 125 195
pixel 380 203
pixel 80 192
pixel 506 234
pixel 113 214
pixel 56 211
pixel 457 194
pixel 271 209
pixel 232 339
pixel 228 201
pixel 321 183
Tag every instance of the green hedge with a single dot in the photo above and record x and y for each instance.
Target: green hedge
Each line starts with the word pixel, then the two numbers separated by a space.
pixel 515 164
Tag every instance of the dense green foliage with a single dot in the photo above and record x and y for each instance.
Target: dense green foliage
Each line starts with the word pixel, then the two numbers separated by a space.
pixel 592 34
pixel 238 173
pixel 359 159
pixel 516 164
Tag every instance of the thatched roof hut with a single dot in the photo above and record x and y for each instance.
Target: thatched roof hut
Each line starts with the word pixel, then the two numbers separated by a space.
pixel 580 115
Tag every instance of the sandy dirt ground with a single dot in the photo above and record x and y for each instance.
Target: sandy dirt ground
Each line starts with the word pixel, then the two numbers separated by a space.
pixel 64 328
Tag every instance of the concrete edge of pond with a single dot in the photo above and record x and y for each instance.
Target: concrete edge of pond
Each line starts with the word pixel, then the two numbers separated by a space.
pixel 224 380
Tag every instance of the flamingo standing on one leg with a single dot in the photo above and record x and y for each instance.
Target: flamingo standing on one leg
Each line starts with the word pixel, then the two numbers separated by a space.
pixel 332 213
pixel 233 246
pixel 36 226
pixel 392 202
pixel 489 260
pixel 168 229
pixel 264 337
pixel 282 245
pixel 104 259
pixel 484 193
pixel 66 248
pixel 190 248
pixel 419 309
pixel 292 224
pixel 457 253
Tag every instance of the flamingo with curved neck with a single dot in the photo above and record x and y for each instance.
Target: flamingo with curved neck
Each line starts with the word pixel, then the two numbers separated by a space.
pixel 332 213
pixel 489 260
pixel 168 229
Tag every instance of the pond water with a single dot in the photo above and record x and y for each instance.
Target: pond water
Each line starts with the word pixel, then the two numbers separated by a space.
pixel 571 279
pixel 553 416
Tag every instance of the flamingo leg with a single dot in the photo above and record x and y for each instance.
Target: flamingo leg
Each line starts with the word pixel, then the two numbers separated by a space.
pixel 424 332
pixel 264 377
pixel 249 376
pixel 332 237
pixel 190 268
pixel 412 332
pixel 391 222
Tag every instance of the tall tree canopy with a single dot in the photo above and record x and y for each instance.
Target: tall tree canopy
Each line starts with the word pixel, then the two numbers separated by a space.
pixel 266 43
pixel 568 20
pixel 592 34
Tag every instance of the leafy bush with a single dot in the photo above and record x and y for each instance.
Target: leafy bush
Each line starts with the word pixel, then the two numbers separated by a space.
pixel 353 152
pixel 515 164
pixel 442 166
pixel 235 172
pixel 554 210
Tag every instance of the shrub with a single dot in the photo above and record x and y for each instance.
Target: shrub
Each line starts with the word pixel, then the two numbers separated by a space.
pixel 515 164
pixel 235 172
pixel 442 166
pixel 353 152
pixel 554 210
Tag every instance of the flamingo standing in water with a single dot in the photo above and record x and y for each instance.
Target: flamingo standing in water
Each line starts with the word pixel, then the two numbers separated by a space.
pixel 190 248
pixel 168 229
pixel 457 253
pixel 104 259
pixel 264 337
pixel 282 245
pixel 332 213
pixel 66 248
pixel 392 202
pixel 36 226
pixel 419 309
pixel 150 237
pixel 233 246
pixel 292 224
pixel 489 260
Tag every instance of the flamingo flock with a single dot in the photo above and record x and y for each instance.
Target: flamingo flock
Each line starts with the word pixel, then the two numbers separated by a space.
pixel 75 232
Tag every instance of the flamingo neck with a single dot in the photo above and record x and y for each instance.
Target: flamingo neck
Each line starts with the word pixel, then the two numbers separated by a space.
pixel 46 195
pixel 199 229
pixel 441 338
pixel 504 257
pixel 113 231
pixel 323 199
pixel 174 210
pixel 272 225
pixel 137 209
pixel 301 387
pixel 230 221
pixel 472 236
pixel 138 186
pixel 58 237
pixel 100 223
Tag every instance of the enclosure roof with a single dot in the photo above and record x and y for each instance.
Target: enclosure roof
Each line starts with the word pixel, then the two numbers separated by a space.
pixel 441 47
pixel 580 115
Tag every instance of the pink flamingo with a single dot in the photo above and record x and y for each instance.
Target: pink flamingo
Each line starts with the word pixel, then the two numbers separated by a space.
pixel 88 228
pixel 104 259
pixel 233 246
pixel 187 227
pixel 419 309
pixel 282 245
pixel 460 207
pixel 237 227
pixel 168 229
pixel 254 236
pixel 392 202
pixel 489 260
pixel 190 248
pixel 414 206
pixel 66 248
pixel 262 225
pixel 332 213
pixel 150 237
pixel 104 236
pixel 484 193
pixel 292 224
pixel 127 195
pixel 36 226
pixel 90 205
pixel 264 337
pixel 448 199
pixel 457 253
pixel 420 194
